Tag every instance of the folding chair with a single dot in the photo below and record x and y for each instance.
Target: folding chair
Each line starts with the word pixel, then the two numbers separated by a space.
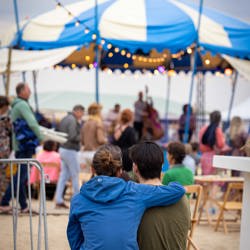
pixel 197 191
pixel 232 202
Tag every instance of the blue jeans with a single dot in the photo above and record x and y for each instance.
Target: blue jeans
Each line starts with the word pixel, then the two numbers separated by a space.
pixel 23 181
pixel 70 168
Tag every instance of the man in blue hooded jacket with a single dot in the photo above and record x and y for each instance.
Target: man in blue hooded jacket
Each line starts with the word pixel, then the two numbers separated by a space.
pixel 106 213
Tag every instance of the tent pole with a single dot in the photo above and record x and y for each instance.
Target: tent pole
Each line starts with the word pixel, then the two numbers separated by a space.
pixel 167 104
pixel 194 67
pixel 24 76
pixel 8 71
pixel 234 81
pixel 17 20
pixel 4 80
pixel 96 54
pixel 34 74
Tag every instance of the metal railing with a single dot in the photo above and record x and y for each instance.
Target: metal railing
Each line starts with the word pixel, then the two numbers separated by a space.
pixel 15 200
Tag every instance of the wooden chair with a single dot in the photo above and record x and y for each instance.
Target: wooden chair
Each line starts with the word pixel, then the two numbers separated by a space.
pixel 196 191
pixel 46 165
pixel 232 202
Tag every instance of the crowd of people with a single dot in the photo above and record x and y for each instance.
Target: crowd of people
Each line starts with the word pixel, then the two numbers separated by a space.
pixel 121 158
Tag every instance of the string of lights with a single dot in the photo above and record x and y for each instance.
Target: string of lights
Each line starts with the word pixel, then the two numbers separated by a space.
pixel 152 60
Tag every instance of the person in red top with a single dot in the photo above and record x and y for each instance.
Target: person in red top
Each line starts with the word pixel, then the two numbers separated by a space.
pixel 212 141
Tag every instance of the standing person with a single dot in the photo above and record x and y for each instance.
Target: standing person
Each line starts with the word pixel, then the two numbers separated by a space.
pixel 107 211
pixel 70 166
pixel 237 139
pixel 111 120
pixel 212 140
pixel 125 137
pixel 237 136
pixel 177 172
pixel 161 228
pixel 182 123
pixel 92 136
pixel 23 119
pixel 5 140
pixel 140 107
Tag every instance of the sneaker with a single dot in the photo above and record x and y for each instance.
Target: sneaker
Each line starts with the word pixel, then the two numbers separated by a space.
pixel 61 205
pixel 5 209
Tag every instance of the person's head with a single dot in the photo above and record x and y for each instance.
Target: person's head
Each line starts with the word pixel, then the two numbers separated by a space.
pixel 126 116
pixel 23 90
pixel 215 117
pixel 185 108
pixel 107 161
pixel 195 146
pixel 147 159
pixel 49 146
pixel 188 149
pixel 236 127
pixel 4 104
pixel 140 95
pixel 176 153
pixel 78 111
pixel 117 108
pixel 94 109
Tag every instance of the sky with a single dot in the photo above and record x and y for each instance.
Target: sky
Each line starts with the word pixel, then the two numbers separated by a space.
pixel 75 81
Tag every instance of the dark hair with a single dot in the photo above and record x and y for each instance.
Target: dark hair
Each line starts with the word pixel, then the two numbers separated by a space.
pixel 148 156
pixel 4 101
pixel 195 146
pixel 107 160
pixel 177 151
pixel 209 136
pixel 20 86
pixel 185 108
pixel 49 146
pixel 78 107
pixel 215 117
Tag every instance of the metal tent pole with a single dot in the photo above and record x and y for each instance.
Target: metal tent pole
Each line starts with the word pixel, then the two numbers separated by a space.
pixel 234 82
pixel 34 74
pixel 8 71
pixel 167 104
pixel 194 67
pixel 96 54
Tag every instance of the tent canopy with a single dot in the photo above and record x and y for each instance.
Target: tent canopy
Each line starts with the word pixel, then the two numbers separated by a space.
pixel 137 24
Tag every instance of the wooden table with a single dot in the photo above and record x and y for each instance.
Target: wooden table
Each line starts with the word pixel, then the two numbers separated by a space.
pixel 207 181
pixel 241 164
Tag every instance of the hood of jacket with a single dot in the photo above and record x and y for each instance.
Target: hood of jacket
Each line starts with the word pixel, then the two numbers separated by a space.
pixel 103 189
pixel 16 100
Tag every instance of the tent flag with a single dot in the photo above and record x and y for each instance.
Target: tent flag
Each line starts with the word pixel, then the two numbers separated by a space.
pixel 138 24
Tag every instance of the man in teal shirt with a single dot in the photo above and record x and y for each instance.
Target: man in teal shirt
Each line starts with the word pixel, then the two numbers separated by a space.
pixel 22 112
pixel 177 172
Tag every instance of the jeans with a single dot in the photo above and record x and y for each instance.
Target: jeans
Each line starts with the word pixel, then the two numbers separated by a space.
pixel 23 181
pixel 70 168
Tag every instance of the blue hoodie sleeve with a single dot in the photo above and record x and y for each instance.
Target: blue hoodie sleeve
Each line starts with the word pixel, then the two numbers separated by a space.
pixel 74 231
pixel 160 195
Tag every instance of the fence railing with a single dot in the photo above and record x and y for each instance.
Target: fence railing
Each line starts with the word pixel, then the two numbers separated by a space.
pixel 15 191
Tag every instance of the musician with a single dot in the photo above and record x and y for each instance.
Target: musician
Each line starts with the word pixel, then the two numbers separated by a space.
pixel 139 113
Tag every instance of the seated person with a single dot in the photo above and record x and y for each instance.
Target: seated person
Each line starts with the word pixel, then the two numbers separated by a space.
pixel 107 211
pixel 188 160
pixel 49 154
pixel 161 228
pixel 177 172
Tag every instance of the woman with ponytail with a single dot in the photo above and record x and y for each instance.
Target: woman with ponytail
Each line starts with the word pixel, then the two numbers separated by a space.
pixel 106 213
pixel 212 141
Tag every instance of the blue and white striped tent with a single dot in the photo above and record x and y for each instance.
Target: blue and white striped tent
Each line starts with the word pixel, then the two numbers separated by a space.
pixel 137 24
